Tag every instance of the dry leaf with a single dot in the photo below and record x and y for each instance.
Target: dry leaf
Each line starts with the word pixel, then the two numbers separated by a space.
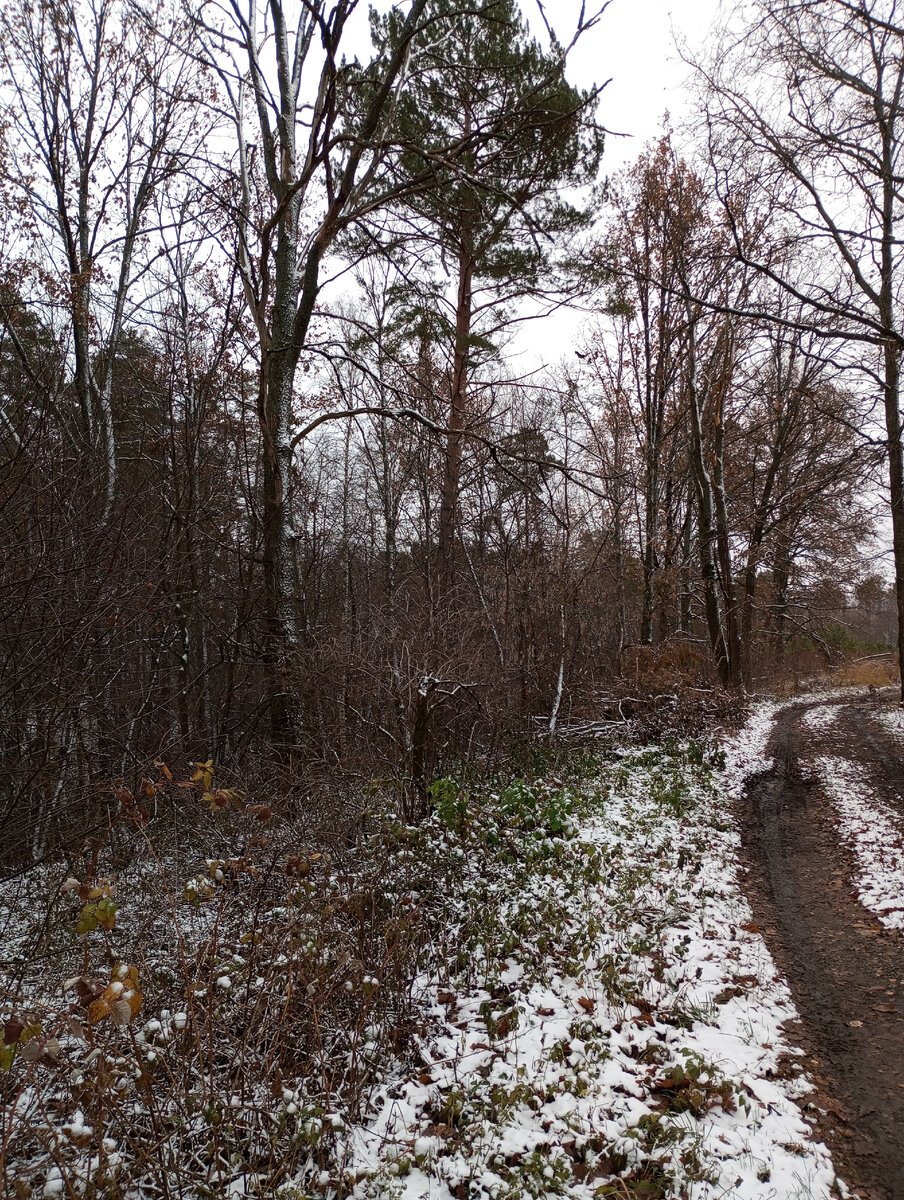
pixel 12 1030
pixel 121 1012
pixel 97 1010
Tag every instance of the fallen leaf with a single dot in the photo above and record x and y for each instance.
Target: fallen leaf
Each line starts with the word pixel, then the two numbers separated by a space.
pixel 12 1030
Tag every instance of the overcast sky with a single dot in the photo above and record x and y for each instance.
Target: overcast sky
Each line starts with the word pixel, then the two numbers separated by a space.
pixel 633 46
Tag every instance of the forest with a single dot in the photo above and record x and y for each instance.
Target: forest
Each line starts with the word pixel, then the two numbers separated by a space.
pixel 328 611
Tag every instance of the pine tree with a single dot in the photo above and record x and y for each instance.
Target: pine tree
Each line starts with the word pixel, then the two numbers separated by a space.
pixel 504 145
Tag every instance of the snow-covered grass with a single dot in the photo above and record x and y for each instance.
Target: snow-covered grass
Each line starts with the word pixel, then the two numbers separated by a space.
pixel 552 987
pixel 873 831
pixel 612 1023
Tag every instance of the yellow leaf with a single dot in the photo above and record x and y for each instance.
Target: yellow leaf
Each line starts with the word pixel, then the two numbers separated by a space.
pixel 97 1010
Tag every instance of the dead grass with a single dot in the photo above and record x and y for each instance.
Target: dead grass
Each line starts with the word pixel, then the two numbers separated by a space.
pixel 871 672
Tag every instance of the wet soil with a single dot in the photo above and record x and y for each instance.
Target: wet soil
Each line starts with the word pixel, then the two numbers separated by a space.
pixel 845 971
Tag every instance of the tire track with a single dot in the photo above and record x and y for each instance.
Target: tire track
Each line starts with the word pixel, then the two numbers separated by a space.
pixel 846 972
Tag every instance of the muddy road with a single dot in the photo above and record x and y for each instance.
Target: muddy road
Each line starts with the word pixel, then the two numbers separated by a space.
pixel 845 970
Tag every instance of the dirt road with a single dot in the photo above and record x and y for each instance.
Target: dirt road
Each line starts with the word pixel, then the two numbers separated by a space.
pixel 846 971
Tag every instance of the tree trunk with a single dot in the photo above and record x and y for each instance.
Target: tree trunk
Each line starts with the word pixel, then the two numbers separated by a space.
pixel 275 415
pixel 781 573
pixel 448 517
pixel 705 519
pixel 723 546
pixel 685 574
pixel 896 482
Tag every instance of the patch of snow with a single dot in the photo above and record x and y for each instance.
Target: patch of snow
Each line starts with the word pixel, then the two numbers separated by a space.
pixel 874 832
pixel 820 717
pixel 893 720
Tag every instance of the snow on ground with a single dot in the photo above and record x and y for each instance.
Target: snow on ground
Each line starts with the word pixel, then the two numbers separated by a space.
pixel 892 719
pixel 873 831
pixel 820 717
pixel 632 1031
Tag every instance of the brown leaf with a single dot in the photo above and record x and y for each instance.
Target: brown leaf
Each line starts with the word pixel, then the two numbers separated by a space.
pixel 504 1025
pixel 586 1003
pixel 12 1030
pixel 31 1051
pixel 87 989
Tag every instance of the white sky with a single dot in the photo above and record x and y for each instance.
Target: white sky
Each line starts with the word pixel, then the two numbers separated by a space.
pixel 633 46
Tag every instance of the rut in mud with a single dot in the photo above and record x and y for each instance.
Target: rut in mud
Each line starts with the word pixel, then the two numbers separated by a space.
pixel 846 972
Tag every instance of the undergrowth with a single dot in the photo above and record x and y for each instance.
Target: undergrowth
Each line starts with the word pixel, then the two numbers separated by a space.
pixel 227 1033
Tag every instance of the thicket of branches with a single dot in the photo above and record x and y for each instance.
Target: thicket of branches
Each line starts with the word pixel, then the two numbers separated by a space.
pixel 270 493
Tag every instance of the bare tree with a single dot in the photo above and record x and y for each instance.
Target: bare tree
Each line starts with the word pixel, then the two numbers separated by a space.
pixel 303 180
pixel 803 109
pixel 103 112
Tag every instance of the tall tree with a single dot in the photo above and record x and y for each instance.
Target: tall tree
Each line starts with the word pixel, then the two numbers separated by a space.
pixel 323 130
pixel 643 252
pixel 103 109
pixel 804 108
pixel 513 144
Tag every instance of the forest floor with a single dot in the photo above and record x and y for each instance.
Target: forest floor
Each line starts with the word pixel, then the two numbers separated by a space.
pixel 630 1042
pixel 824 839
pixel 670 972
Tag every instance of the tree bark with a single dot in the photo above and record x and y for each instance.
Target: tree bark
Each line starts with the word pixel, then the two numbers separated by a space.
pixel 705 517
pixel 449 503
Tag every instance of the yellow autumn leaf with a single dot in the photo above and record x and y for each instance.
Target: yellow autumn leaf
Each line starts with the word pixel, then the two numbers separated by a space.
pixel 97 1010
